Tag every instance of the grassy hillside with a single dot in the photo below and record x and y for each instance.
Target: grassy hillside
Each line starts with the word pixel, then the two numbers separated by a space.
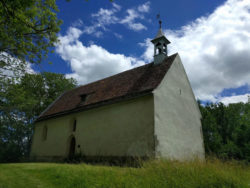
pixel 153 174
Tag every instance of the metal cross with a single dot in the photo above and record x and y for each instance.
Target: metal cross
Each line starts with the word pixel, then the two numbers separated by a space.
pixel 158 17
pixel 160 23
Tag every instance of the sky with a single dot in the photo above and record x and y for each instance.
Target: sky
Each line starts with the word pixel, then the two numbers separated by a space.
pixel 99 39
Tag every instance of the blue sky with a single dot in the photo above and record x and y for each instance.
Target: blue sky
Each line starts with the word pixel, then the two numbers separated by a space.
pixel 99 38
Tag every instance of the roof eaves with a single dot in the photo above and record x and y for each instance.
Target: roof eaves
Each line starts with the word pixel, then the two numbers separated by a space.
pixel 95 105
pixel 159 38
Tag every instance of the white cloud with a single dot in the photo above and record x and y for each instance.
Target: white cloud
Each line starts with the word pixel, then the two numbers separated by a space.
pixel 13 67
pixel 144 7
pixel 90 63
pixel 215 50
pixel 102 19
pixel 234 99
pixel 129 20
pixel 105 17
pixel 135 14
pixel 118 36
pixel 72 35
pixel 77 23
pixel 116 6
pixel 29 69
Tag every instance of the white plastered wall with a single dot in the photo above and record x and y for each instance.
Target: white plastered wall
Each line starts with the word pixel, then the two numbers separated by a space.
pixel 178 134
pixel 120 129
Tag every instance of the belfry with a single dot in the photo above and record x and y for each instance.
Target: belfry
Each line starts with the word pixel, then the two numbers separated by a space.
pixel 160 46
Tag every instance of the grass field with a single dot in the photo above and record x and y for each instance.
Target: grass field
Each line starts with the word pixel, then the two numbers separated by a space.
pixel 152 174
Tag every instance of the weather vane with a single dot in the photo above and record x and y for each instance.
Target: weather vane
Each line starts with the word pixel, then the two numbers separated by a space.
pixel 159 18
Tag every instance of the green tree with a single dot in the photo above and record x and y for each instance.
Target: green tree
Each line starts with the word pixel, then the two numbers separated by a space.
pixel 28 28
pixel 28 31
pixel 21 103
pixel 212 138
pixel 226 130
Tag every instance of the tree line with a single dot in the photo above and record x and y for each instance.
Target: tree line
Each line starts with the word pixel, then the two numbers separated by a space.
pixel 226 130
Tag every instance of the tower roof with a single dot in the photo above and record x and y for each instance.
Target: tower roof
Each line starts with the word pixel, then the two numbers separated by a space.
pixel 160 35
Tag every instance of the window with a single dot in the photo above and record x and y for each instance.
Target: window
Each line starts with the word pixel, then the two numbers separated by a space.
pixel 45 132
pixel 83 98
pixel 74 125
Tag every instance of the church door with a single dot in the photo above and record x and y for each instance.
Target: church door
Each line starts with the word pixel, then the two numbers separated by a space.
pixel 72 147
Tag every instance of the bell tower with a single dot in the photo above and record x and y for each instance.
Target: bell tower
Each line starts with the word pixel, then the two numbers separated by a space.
pixel 160 46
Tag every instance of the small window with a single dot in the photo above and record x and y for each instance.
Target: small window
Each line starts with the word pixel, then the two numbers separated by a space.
pixel 74 126
pixel 45 132
pixel 83 98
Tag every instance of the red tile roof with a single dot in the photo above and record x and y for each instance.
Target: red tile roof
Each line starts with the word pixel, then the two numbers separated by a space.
pixel 131 83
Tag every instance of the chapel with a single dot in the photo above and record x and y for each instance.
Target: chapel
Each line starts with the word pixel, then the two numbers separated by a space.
pixel 148 112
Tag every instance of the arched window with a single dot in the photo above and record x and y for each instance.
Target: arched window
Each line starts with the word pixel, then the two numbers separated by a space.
pixel 44 133
pixel 72 147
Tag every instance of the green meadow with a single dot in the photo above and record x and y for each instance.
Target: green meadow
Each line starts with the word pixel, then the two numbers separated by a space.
pixel 157 173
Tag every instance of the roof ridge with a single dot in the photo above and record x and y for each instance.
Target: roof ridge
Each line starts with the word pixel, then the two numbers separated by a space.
pixel 147 64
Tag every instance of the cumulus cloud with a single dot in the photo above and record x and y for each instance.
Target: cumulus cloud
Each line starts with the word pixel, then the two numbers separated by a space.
pixel 235 99
pixel 90 63
pixel 214 49
pixel 144 7
pixel 105 17
pixel 102 19
pixel 129 20
pixel 136 13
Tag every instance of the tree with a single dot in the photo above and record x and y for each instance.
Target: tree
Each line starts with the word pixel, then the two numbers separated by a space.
pixel 20 104
pixel 28 29
pixel 226 130
pixel 212 138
